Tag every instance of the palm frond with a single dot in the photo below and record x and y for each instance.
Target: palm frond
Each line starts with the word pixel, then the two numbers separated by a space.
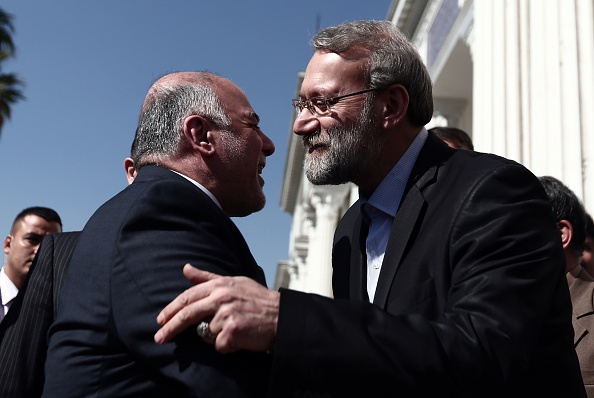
pixel 10 84
pixel 6 30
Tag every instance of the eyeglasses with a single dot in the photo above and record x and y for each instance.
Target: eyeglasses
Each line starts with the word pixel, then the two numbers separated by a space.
pixel 321 106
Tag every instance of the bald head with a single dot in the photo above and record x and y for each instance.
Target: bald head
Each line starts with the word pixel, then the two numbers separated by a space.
pixel 171 81
pixel 203 126
pixel 169 101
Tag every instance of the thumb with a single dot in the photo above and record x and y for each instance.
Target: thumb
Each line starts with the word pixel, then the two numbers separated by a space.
pixel 196 275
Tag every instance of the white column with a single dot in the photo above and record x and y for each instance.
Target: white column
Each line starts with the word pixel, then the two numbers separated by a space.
pixel 320 275
pixel 552 110
pixel 498 78
pixel 534 86
pixel 585 33
pixel 301 243
pixel 526 133
pixel 513 127
pixel 537 93
pixel 570 138
pixel 326 202
pixel 482 77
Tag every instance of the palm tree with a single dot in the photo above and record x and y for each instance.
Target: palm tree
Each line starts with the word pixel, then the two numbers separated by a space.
pixel 10 84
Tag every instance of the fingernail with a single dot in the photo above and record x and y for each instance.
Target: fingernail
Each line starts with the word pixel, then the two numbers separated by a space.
pixel 159 337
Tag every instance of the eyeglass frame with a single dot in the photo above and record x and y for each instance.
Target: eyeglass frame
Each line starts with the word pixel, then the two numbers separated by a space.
pixel 299 104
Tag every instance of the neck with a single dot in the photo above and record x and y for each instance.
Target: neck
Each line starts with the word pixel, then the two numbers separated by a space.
pixel 394 146
pixel 572 261
pixel 14 278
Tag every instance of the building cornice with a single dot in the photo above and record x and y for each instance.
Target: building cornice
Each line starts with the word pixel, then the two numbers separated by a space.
pixel 406 14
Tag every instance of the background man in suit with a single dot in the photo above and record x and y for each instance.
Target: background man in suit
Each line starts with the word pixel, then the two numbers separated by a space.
pixel 571 221
pixel 450 259
pixel 570 217
pixel 20 246
pixel 199 157
pixel 23 333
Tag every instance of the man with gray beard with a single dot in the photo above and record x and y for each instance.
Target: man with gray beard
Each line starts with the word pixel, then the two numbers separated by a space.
pixel 448 274
pixel 349 152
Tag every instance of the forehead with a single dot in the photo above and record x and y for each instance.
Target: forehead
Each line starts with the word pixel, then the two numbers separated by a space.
pixel 329 73
pixel 235 101
pixel 31 222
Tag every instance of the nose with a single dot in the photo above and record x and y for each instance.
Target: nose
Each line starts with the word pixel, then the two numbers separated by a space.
pixel 267 145
pixel 305 123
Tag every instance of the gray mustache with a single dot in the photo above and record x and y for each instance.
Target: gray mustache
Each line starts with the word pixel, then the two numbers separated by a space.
pixel 312 139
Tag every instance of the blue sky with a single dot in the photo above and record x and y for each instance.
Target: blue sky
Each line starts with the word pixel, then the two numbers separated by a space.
pixel 88 64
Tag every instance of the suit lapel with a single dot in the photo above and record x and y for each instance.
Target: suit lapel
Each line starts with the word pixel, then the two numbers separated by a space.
pixel 358 279
pixel 404 223
pixel 409 214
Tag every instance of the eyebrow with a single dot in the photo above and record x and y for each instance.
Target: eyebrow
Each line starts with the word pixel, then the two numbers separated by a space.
pixel 33 235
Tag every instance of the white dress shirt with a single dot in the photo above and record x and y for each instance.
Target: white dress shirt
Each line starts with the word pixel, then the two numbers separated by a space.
pixel 202 188
pixel 8 292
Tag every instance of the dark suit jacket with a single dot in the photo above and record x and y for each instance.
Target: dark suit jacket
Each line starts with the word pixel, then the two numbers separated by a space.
pixel 23 332
pixel 471 300
pixel 581 290
pixel 126 267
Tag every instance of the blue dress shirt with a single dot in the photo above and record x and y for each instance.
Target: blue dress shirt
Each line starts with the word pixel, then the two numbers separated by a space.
pixel 380 209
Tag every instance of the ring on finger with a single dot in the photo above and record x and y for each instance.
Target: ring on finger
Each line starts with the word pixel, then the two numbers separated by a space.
pixel 203 331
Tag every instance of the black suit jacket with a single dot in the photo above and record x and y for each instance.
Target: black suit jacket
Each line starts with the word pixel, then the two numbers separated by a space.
pixel 126 267
pixel 23 332
pixel 471 299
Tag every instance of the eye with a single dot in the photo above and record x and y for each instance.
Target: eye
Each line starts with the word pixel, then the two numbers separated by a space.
pixel 34 240
pixel 319 103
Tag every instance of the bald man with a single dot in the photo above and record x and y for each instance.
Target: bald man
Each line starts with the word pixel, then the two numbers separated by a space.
pixel 197 160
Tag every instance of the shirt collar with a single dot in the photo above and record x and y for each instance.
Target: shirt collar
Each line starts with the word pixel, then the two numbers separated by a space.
pixel 388 194
pixel 579 272
pixel 8 290
pixel 202 188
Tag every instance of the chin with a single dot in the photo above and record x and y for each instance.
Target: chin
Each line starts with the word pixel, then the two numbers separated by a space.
pixel 245 208
pixel 258 204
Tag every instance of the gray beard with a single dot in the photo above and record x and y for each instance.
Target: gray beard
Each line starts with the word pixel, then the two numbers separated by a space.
pixel 349 151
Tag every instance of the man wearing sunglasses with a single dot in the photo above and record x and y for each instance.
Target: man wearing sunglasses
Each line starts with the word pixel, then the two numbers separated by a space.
pixel 448 275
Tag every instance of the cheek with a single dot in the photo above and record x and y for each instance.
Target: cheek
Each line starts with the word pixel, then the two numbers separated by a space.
pixel 27 249
pixel 327 128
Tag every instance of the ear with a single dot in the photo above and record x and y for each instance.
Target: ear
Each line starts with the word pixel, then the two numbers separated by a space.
pixel 7 242
pixel 566 230
pixel 197 134
pixel 130 170
pixel 396 105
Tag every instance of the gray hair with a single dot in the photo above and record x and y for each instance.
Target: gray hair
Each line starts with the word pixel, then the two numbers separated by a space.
pixel 392 59
pixel 160 126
